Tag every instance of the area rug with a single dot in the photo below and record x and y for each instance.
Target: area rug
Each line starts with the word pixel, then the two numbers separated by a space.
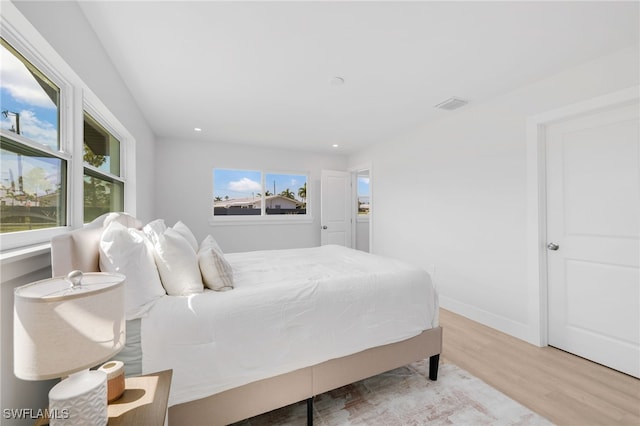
pixel 406 396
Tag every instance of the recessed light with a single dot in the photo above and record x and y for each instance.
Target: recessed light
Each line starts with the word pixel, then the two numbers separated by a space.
pixel 335 145
pixel 336 81
pixel 197 129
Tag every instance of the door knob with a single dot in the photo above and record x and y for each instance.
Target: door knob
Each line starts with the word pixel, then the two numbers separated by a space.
pixel 324 227
pixel 553 246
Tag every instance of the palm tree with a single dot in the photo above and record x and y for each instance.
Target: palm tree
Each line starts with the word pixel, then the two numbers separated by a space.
pixel 287 193
pixel 302 192
pixel 218 198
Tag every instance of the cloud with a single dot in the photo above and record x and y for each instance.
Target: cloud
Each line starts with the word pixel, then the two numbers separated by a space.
pixel 22 86
pixel 36 130
pixel 245 185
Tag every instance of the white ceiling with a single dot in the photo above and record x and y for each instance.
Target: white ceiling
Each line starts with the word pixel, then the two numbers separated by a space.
pixel 259 72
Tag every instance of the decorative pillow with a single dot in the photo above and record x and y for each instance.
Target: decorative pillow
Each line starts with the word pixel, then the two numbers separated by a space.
pixel 215 269
pixel 127 251
pixel 209 242
pixel 187 234
pixel 176 261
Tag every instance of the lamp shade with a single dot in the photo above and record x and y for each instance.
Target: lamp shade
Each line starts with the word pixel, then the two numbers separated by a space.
pixel 60 328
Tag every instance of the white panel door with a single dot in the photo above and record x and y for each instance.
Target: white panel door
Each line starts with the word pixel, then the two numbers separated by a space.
pixel 335 208
pixel 593 237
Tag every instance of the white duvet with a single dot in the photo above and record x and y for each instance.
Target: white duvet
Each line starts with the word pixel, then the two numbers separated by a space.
pixel 290 309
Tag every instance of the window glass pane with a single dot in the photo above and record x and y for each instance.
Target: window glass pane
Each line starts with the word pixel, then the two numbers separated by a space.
pixel 32 188
pixel 101 148
pixel 237 192
pixel 29 101
pixel 101 195
pixel 364 208
pixel 286 194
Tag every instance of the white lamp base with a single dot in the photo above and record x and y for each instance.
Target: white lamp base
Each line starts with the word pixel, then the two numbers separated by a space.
pixel 79 400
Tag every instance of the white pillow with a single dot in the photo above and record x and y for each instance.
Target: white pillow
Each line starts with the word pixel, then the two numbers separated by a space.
pixel 187 234
pixel 176 262
pixel 124 218
pixel 154 228
pixel 216 271
pixel 127 251
pixel 208 242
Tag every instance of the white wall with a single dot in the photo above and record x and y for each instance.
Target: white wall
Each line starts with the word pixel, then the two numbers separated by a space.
pixel 465 178
pixel 185 187
pixel 64 27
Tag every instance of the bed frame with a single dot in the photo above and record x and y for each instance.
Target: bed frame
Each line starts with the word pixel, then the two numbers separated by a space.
pixel 78 249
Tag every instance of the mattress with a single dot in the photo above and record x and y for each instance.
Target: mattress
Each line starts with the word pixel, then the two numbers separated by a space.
pixel 289 309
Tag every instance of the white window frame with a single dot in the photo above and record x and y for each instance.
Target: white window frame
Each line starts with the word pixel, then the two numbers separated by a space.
pixel 264 219
pixel 75 97
pixel 20 239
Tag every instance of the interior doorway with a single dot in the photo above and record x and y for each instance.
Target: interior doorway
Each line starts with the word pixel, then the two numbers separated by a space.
pixel 593 230
pixel 545 245
pixel 362 210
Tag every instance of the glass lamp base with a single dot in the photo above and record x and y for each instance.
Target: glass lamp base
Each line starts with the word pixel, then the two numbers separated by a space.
pixel 81 399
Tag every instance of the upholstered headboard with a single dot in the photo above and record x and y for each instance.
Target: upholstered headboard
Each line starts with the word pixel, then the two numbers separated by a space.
pixel 79 249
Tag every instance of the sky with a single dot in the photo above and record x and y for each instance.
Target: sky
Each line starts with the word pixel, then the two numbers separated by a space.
pixel 245 183
pixel 363 188
pixel 20 93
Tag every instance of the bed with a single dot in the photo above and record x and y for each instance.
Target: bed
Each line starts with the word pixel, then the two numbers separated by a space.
pixel 309 321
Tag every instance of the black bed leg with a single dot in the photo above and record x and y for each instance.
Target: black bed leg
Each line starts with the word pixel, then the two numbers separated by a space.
pixel 434 361
pixel 310 411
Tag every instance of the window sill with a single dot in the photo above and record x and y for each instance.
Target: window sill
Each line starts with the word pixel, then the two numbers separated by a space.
pixel 260 220
pixel 25 261
pixel 23 253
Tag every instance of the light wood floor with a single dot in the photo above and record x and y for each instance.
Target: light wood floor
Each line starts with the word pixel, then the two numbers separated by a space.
pixel 564 388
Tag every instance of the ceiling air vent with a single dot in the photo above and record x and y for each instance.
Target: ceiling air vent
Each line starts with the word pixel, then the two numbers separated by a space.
pixel 452 103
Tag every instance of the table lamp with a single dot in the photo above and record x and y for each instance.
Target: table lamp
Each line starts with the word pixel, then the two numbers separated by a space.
pixel 62 327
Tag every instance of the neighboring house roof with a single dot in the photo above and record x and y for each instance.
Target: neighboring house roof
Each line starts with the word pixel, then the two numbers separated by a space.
pixel 236 202
pixel 256 201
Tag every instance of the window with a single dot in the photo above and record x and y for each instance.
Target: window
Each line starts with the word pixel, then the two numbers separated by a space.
pixel 103 186
pixel 30 101
pixel 33 169
pixel 59 165
pixel 289 194
pixel 101 148
pixel 364 196
pixel 254 193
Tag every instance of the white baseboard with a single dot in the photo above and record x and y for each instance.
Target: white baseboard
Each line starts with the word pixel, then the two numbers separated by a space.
pixel 506 325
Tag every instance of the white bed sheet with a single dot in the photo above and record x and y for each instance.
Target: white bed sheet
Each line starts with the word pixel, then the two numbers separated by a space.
pixel 290 309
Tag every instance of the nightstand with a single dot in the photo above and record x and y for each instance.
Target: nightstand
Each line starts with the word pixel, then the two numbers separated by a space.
pixel 144 401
